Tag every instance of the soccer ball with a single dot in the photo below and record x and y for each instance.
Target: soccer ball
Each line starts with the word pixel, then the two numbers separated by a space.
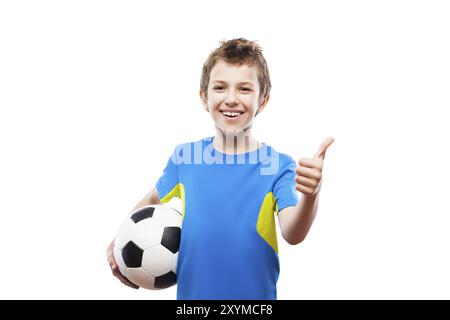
pixel 146 246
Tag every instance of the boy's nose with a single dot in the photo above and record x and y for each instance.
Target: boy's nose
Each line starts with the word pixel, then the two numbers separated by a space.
pixel 231 98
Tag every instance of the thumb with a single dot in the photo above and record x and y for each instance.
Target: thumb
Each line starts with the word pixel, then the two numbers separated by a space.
pixel 323 148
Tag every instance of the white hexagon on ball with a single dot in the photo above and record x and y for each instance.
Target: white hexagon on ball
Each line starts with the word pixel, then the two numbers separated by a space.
pixel 147 233
pixel 157 260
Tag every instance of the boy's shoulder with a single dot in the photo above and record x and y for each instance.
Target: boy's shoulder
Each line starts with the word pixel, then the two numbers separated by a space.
pixel 284 158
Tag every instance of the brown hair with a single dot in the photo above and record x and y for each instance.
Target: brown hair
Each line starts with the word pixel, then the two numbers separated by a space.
pixel 238 52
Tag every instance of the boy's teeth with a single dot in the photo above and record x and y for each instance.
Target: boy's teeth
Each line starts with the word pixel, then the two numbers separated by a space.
pixel 231 114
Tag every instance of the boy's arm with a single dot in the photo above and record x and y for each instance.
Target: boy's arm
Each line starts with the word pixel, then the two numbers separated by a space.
pixel 150 198
pixel 296 221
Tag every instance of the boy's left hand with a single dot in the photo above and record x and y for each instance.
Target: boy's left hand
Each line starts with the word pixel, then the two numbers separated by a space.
pixel 308 176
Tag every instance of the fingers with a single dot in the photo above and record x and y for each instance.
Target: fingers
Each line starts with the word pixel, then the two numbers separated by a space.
pixel 113 266
pixel 320 154
pixel 124 280
pixel 129 284
pixel 308 172
pixel 307 182
pixel 308 176
pixel 311 163
pixel 115 269
pixel 112 262
pixel 118 275
pixel 317 160
pixel 110 253
pixel 305 190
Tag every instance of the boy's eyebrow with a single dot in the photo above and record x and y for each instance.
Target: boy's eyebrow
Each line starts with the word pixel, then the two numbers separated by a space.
pixel 242 82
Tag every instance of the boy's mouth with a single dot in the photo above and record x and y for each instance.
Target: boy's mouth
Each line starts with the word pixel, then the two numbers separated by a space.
pixel 231 114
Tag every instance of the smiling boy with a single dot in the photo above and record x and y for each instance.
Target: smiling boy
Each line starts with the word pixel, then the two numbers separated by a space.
pixel 229 197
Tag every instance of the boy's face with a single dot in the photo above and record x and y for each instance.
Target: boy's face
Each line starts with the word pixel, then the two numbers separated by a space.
pixel 233 93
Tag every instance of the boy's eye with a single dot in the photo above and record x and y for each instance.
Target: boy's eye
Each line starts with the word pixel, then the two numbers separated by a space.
pixel 222 88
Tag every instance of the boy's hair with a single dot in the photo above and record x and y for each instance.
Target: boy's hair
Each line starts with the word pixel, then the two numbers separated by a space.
pixel 238 52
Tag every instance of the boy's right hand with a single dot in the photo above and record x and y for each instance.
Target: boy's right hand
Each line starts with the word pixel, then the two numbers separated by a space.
pixel 115 268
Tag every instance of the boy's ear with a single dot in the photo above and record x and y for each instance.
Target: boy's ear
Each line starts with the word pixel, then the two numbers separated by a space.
pixel 262 104
pixel 203 98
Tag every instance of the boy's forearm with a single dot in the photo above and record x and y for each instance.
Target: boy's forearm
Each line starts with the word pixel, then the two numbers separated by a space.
pixel 302 218
pixel 144 202
pixel 149 199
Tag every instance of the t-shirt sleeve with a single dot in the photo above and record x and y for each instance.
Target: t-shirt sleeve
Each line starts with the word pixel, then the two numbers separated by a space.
pixel 284 188
pixel 168 181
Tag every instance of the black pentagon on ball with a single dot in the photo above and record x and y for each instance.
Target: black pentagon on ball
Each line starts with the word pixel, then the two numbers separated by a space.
pixel 132 255
pixel 166 280
pixel 171 238
pixel 142 214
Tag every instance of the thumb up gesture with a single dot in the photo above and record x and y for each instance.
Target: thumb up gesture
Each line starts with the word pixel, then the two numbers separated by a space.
pixel 308 176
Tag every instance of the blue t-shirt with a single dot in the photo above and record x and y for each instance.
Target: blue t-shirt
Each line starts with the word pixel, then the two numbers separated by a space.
pixel 228 244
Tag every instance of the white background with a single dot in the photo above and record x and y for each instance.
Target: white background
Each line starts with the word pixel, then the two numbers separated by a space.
pixel 94 95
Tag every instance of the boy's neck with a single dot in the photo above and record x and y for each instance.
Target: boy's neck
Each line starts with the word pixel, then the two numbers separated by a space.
pixel 235 143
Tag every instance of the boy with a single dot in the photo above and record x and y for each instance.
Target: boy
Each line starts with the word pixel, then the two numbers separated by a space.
pixel 231 185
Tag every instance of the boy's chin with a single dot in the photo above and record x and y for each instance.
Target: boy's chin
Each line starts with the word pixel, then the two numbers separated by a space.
pixel 231 131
